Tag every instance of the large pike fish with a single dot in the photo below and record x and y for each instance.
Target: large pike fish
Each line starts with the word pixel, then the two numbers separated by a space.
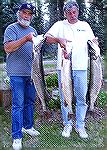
pixel 66 80
pixel 38 71
pixel 95 79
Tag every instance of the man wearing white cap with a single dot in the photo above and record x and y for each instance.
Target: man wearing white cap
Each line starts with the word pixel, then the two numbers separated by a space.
pixel 78 32
pixel 19 46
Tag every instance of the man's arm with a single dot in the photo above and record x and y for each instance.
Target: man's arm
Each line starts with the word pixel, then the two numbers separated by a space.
pixel 51 39
pixel 13 45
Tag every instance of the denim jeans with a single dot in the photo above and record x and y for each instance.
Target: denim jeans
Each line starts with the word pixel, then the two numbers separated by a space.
pixel 23 100
pixel 80 90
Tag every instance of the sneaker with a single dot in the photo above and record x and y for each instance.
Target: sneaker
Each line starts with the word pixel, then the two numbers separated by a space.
pixel 17 144
pixel 82 132
pixel 31 131
pixel 67 130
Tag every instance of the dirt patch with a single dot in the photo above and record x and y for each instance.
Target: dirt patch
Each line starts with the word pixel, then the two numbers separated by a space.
pixel 55 116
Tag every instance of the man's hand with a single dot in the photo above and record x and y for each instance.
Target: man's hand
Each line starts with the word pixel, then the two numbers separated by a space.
pixel 95 40
pixel 62 43
pixel 66 55
pixel 30 36
pixel 38 41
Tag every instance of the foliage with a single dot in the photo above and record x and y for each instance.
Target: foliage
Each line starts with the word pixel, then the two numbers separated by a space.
pixel 52 80
pixel 105 23
pixel 55 13
pixel 54 103
pixel 82 9
pixel 52 84
pixel 38 22
pixel 105 59
pixel 102 99
pixel 7 16
pixel 2 53
pixel 96 21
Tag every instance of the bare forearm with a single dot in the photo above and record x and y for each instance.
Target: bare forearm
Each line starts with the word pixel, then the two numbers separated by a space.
pixel 13 45
pixel 61 41
pixel 51 40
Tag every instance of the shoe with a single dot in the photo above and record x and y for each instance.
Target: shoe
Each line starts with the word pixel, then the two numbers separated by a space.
pixel 67 130
pixel 82 132
pixel 17 144
pixel 31 131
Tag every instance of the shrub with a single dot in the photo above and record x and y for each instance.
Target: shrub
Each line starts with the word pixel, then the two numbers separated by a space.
pixel 54 103
pixel 102 99
pixel 52 80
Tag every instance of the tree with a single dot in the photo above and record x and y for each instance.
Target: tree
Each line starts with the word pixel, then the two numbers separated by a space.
pixel 60 9
pixel 7 16
pixel 53 11
pixel 96 20
pixel 1 39
pixel 82 9
pixel 105 24
pixel 38 21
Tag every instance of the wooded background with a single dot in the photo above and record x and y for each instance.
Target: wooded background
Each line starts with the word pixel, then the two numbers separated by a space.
pixel 49 11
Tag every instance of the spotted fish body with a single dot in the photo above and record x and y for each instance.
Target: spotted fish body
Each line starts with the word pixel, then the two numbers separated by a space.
pixel 95 82
pixel 66 74
pixel 37 70
pixel 67 83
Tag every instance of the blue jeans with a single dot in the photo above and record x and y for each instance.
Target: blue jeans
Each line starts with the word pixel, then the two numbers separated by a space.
pixel 23 100
pixel 80 90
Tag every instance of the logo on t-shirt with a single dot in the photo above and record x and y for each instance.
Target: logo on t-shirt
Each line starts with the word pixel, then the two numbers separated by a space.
pixel 80 30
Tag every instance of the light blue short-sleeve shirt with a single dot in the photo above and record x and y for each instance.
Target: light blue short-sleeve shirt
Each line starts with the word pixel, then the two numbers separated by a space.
pixel 19 62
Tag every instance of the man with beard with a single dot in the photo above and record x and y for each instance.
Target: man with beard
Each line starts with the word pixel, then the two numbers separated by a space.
pixel 19 46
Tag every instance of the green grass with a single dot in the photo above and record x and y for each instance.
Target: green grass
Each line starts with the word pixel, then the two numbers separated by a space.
pixel 52 136
pixel 49 66
pixel 51 139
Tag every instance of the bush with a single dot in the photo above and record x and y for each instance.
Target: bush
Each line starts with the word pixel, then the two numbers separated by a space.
pixel 52 80
pixel 54 103
pixel 52 84
pixel 102 99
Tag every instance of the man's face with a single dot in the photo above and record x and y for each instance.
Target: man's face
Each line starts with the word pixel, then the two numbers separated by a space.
pixel 26 14
pixel 72 15
pixel 25 17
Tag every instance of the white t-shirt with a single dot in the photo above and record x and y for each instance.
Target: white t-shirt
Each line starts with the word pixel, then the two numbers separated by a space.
pixel 79 33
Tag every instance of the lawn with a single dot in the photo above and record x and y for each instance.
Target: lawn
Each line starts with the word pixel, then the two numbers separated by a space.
pixel 51 139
